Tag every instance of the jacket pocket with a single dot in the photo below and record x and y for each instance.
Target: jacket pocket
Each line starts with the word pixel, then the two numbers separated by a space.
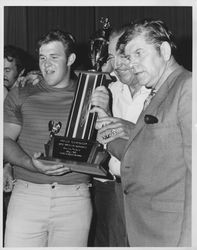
pixel 167 206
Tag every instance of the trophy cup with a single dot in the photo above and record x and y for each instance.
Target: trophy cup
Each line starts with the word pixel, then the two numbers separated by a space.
pixel 78 148
pixel 99 45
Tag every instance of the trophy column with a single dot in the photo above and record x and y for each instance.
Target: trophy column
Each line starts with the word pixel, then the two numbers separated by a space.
pixel 81 121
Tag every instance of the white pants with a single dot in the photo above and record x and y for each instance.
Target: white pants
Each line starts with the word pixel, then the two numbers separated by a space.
pixel 53 215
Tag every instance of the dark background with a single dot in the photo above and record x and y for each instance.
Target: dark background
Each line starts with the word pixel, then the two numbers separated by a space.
pixel 23 26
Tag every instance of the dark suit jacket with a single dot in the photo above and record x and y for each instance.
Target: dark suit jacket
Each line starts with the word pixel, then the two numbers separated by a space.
pixel 156 168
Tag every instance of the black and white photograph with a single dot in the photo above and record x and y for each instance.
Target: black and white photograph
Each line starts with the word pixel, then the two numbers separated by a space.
pixel 99 124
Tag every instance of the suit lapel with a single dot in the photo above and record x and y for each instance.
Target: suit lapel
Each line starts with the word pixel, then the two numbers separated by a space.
pixel 154 104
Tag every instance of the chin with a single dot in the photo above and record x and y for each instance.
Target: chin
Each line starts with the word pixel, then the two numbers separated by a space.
pixel 142 83
pixel 52 84
pixel 49 82
pixel 8 86
pixel 148 85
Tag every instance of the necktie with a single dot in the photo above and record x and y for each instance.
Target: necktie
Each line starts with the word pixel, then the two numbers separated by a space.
pixel 149 98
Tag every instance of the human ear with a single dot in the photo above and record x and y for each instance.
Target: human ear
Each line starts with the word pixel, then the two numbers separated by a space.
pixel 71 59
pixel 166 51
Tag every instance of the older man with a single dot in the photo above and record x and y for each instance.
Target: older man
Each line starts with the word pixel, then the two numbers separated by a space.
pixel 127 103
pixel 156 160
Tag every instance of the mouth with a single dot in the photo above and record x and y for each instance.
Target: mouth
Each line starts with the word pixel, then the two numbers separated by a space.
pixel 122 71
pixel 5 82
pixel 138 73
pixel 49 71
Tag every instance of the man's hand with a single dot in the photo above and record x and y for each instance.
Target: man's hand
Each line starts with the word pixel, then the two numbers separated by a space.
pixel 33 77
pixel 7 178
pixel 101 114
pixel 49 168
pixel 107 67
pixel 112 128
pixel 101 98
pixel 19 79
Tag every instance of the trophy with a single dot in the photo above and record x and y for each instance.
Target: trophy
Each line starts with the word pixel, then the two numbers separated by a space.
pixel 99 45
pixel 78 148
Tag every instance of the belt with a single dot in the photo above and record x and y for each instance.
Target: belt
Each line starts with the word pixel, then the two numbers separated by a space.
pixel 116 179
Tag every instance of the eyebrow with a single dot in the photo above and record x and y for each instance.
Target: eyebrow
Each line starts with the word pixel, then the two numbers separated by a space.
pixel 52 54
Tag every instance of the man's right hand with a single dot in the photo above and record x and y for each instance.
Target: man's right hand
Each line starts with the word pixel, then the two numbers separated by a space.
pixel 7 178
pixel 49 168
pixel 101 99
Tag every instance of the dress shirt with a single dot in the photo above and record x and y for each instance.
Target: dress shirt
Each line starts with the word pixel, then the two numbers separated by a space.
pixel 127 107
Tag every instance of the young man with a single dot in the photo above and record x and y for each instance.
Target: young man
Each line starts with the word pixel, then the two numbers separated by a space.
pixel 49 205
pixel 156 160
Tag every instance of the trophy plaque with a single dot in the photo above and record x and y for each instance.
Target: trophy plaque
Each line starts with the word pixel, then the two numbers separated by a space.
pixel 78 148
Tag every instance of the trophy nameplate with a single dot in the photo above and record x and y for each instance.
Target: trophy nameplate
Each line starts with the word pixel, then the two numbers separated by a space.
pixel 78 148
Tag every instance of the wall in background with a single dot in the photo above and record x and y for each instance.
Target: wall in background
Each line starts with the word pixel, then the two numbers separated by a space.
pixel 23 26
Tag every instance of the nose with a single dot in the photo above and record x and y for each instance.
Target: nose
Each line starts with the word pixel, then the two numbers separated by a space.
pixel 47 62
pixel 133 67
pixel 133 61
pixel 5 76
pixel 119 62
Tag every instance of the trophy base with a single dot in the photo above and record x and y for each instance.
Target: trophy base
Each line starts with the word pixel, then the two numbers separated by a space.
pixel 96 170
pixel 79 155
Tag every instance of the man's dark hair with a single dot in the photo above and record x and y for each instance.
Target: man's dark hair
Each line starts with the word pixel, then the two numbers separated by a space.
pixel 118 30
pixel 12 53
pixel 66 38
pixel 22 58
pixel 154 31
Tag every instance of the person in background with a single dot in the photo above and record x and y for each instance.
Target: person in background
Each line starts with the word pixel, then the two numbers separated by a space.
pixel 50 205
pixel 156 159
pixel 17 63
pixel 127 103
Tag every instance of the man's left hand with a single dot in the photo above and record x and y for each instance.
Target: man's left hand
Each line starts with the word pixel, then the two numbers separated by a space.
pixel 112 128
